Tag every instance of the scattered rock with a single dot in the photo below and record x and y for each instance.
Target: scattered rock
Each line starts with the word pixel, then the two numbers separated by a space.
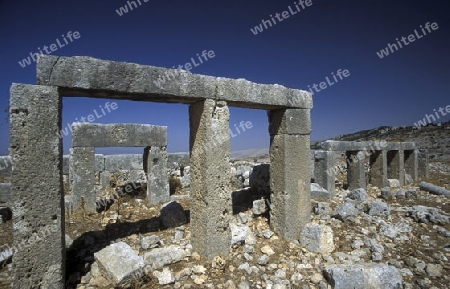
pixel 165 277
pixel 317 238
pixel 159 257
pixel 259 207
pixel 357 196
pixel 119 263
pixel 267 250
pixel 400 194
pixel 240 233
pixel 346 212
pixel 386 193
pixel 322 209
pixel 424 214
pixel 149 242
pixel 379 208
pixel 394 183
pixel 434 270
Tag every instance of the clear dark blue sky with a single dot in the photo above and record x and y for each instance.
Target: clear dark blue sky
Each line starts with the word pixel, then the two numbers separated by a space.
pixel 299 51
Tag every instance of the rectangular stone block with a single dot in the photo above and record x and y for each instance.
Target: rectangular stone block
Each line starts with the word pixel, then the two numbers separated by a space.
pixel 118 135
pixel 290 184
pixel 83 193
pixel 81 75
pixel 5 193
pixel 157 178
pixel 324 173
pixel 291 121
pixel 114 163
pixel 356 169
pixel 211 206
pixel 36 184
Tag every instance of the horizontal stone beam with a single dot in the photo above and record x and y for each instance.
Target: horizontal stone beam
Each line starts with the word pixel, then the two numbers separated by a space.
pixel 80 75
pixel 118 135
pixel 366 145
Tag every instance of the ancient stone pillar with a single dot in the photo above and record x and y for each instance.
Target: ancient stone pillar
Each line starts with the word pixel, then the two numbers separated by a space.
pixel 290 174
pixel 157 180
pixel 211 206
pixel 411 163
pixel 324 173
pixel 423 160
pixel 356 169
pixel 83 175
pixel 378 169
pixel 37 187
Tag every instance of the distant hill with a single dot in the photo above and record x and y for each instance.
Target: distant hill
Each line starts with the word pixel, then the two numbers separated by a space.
pixel 434 137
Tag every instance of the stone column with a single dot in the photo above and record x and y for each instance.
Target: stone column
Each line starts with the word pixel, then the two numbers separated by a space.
pixel 157 179
pixel 423 160
pixel 290 176
pixel 356 169
pixel 378 169
pixel 411 163
pixel 37 187
pixel 211 206
pixel 83 174
pixel 324 173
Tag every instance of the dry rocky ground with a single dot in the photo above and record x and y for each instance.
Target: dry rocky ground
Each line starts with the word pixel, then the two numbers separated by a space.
pixel 390 238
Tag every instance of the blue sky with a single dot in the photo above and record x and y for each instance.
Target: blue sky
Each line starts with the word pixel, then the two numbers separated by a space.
pixel 297 52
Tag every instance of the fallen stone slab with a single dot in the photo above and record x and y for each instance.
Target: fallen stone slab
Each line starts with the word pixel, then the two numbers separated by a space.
pixel 159 257
pixel 363 276
pixel 317 238
pixel 119 263
pixel 435 190
pixel 379 208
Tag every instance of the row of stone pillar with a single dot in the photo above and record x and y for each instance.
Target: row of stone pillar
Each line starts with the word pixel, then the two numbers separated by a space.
pixel 383 165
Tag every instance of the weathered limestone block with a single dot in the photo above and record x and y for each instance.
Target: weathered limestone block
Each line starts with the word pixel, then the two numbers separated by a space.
pixel 83 174
pixel 289 172
pixel 211 207
pixel 158 190
pixel 324 173
pixel 37 189
pixel 95 77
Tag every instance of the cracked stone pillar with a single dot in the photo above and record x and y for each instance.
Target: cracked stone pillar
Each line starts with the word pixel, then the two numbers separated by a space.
pixel 356 170
pixel 411 163
pixel 290 173
pixel 158 190
pixel 83 175
pixel 396 169
pixel 378 169
pixel 37 187
pixel 211 206
pixel 324 173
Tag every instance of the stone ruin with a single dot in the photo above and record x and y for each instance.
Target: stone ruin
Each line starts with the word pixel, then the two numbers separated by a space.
pixel 86 137
pixel 36 153
pixel 386 160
